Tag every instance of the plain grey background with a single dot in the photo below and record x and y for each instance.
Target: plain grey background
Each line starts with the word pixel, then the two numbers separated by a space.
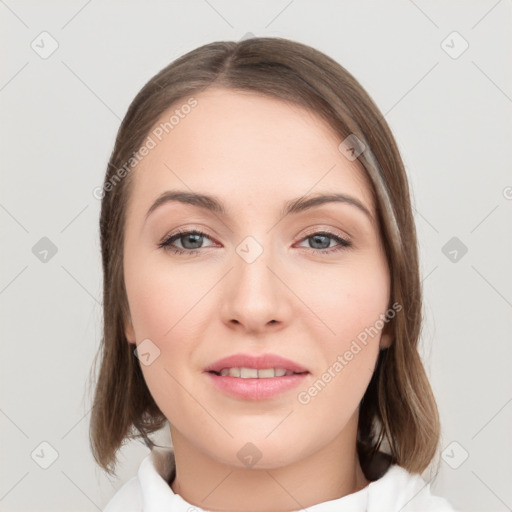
pixel 450 110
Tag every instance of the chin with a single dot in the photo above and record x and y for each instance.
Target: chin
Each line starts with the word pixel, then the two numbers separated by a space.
pixel 260 451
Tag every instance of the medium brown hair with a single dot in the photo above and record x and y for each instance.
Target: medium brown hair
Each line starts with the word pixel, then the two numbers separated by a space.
pixel 398 410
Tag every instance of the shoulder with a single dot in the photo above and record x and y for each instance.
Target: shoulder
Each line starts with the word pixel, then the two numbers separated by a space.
pixel 127 499
pixel 400 490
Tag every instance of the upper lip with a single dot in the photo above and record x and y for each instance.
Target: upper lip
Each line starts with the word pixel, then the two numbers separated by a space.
pixel 259 362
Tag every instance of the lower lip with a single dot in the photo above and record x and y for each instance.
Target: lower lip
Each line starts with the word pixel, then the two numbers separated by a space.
pixel 256 389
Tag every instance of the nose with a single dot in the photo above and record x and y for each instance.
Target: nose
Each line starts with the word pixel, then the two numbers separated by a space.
pixel 255 298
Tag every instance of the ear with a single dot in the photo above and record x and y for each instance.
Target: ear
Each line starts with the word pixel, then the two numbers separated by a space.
pixel 386 338
pixel 129 331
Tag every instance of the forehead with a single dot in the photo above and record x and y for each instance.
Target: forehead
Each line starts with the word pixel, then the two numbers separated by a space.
pixel 242 146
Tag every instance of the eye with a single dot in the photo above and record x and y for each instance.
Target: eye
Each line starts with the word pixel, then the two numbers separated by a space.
pixel 191 242
pixel 320 242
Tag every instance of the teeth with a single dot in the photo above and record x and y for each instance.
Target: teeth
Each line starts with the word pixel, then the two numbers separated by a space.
pixel 248 373
pixel 265 374
pixel 254 373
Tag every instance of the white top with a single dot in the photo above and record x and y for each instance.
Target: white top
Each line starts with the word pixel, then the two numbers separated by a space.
pixel 397 490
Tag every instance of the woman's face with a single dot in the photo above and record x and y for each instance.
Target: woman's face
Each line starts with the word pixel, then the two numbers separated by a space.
pixel 259 284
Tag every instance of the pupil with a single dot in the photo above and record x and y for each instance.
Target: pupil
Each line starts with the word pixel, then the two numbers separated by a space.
pixel 191 237
pixel 317 239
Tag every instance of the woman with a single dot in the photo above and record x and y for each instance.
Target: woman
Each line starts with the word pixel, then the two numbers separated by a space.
pixel 262 297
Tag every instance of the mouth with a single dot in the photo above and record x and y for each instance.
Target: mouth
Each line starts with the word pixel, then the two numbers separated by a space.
pixel 255 377
pixel 255 373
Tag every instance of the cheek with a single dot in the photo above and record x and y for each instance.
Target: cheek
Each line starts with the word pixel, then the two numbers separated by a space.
pixel 164 302
pixel 347 300
pixel 161 297
pixel 351 304
pixel 349 352
pixel 332 397
pixel 167 307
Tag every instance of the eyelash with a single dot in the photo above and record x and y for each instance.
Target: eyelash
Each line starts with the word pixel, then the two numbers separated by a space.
pixel 166 244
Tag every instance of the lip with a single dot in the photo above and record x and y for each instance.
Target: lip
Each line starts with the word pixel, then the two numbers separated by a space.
pixel 260 362
pixel 255 389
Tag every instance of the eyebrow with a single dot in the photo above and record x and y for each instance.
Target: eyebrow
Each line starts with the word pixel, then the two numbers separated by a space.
pixel 294 206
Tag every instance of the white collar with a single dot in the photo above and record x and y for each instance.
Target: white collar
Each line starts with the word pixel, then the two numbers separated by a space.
pixel 396 489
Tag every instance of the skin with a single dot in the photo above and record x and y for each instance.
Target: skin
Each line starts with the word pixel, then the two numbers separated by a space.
pixel 255 153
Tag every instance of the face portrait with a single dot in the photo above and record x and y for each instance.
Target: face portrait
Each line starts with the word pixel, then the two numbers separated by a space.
pixel 276 284
pixel 252 255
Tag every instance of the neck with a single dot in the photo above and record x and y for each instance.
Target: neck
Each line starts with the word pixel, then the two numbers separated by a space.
pixel 328 474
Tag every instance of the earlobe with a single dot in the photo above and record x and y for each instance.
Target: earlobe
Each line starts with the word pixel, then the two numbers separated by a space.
pixel 387 336
pixel 129 332
pixel 386 340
